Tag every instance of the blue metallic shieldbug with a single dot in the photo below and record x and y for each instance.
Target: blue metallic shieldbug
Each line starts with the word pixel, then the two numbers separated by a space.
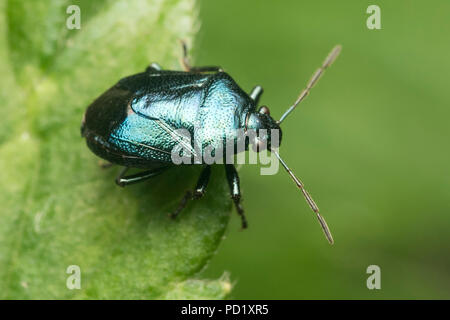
pixel 134 123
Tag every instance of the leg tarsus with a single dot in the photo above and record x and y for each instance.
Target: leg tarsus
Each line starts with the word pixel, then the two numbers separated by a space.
pixel 235 190
pixel 182 205
pixel 240 211
pixel 187 66
pixel 198 192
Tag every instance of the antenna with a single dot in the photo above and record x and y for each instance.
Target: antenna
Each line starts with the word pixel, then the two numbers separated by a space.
pixel 308 198
pixel 315 77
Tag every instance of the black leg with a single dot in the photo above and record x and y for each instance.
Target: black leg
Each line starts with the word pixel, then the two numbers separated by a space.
pixel 199 191
pixel 256 94
pixel 123 180
pixel 202 183
pixel 154 67
pixel 235 190
pixel 187 66
pixel 183 203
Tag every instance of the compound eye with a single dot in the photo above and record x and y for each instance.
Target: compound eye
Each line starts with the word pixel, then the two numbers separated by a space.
pixel 259 145
pixel 264 110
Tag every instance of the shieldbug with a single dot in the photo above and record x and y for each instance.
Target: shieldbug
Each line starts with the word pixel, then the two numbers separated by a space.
pixel 134 124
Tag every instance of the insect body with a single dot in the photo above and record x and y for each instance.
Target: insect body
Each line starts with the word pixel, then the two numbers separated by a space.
pixel 135 123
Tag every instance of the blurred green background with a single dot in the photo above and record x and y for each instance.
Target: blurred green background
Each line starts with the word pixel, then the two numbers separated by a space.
pixel 370 143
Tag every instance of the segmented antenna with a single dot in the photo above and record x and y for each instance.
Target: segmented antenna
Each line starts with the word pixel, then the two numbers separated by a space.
pixel 315 77
pixel 308 198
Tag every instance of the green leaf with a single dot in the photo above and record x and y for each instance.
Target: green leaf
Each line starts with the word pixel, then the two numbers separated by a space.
pixel 58 207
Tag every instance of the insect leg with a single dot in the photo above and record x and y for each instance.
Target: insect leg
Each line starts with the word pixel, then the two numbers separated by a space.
pixel 187 66
pixel 235 190
pixel 256 94
pixel 154 67
pixel 123 180
pixel 202 183
pixel 199 191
